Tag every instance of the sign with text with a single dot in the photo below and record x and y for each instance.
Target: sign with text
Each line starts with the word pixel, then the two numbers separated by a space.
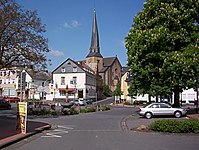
pixel 22 117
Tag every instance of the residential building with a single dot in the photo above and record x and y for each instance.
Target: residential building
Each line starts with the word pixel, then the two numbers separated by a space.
pixel 8 80
pixel 74 80
pixel 24 83
pixel 124 83
pixel 37 84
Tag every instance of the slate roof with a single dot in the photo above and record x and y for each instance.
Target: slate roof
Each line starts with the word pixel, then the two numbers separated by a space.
pixel 124 70
pixel 94 48
pixel 39 75
pixel 108 61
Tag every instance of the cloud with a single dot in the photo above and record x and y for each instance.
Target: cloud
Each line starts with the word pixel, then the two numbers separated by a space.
pixel 123 43
pixel 66 25
pixel 72 24
pixel 75 24
pixel 56 53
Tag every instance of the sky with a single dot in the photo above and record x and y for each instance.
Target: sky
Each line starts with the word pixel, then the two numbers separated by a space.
pixel 69 26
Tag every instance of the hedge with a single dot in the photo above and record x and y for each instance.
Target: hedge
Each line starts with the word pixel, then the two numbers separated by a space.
pixel 176 126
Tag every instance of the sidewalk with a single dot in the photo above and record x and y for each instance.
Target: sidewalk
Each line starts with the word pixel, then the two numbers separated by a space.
pixel 193 116
pixel 9 135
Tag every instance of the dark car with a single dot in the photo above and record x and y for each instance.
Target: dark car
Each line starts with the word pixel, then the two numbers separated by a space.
pixel 4 104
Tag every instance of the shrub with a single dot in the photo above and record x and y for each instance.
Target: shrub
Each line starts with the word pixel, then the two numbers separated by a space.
pixel 71 111
pixel 139 102
pixel 104 108
pixel 176 126
pixel 87 110
pixel 54 113
pixel 127 103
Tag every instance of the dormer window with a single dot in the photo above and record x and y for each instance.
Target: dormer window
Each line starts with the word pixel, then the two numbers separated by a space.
pixel 63 69
pixel 74 69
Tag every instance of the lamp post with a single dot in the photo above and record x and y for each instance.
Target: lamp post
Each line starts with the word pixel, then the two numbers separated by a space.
pixel 21 87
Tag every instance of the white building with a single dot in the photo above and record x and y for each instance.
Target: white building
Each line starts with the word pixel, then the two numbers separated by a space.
pixel 187 96
pixel 74 80
pixel 32 84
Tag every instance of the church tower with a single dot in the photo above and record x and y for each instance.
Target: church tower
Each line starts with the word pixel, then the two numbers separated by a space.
pixel 94 59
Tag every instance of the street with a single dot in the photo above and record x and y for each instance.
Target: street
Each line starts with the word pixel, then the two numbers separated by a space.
pixel 109 130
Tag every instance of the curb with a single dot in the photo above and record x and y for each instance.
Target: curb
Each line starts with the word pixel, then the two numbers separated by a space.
pixel 18 137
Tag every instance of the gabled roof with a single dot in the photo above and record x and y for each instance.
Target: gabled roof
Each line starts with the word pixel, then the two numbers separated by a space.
pixel 108 61
pixel 124 70
pixel 39 75
pixel 81 64
pixel 61 65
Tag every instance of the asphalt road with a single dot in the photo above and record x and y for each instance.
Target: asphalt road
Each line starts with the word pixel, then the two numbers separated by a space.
pixel 108 130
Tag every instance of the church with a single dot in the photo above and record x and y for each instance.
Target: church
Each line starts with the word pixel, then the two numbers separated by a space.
pixel 85 79
pixel 109 68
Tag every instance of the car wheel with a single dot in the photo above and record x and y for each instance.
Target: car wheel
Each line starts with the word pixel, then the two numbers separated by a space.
pixel 177 114
pixel 148 115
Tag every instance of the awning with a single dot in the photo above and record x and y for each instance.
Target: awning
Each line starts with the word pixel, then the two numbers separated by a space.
pixel 67 89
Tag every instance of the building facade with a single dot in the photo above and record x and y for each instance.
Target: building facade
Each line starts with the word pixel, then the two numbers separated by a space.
pixel 24 83
pixel 74 80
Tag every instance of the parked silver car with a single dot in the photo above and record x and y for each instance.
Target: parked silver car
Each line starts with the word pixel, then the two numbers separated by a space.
pixel 161 109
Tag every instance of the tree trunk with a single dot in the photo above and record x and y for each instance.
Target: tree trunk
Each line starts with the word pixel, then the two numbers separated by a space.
pixel 149 97
pixel 176 97
pixel 156 98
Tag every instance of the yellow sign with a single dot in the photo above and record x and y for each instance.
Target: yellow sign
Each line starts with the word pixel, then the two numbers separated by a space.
pixel 22 117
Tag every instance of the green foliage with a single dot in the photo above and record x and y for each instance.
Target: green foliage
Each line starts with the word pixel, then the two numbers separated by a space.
pixel 53 113
pixel 40 112
pixel 176 126
pixel 104 108
pixel 118 91
pixel 71 111
pixel 106 90
pixel 163 47
pixel 127 103
pixel 87 110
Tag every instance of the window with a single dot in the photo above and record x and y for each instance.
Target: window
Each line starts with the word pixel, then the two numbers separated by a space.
pixel 0 81
pixel 62 93
pixel 63 69
pixel 62 80
pixel 163 106
pixel 74 80
pixel 154 106
pixel 74 69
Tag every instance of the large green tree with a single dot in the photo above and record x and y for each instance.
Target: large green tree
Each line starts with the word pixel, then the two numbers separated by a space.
pixel 163 48
pixel 21 37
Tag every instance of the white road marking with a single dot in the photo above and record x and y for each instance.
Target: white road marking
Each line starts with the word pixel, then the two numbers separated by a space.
pixel 51 135
pixel 65 127
pixel 56 132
